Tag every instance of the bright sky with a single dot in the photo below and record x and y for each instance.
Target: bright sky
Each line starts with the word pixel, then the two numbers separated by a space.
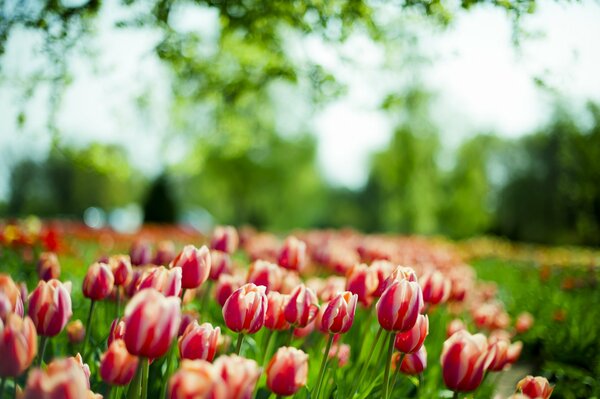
pixel 484 84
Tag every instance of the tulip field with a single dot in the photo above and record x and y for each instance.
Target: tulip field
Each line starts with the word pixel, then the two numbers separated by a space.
pixel 172 313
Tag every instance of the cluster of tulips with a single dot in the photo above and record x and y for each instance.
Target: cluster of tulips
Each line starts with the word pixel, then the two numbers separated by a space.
pixel 302 293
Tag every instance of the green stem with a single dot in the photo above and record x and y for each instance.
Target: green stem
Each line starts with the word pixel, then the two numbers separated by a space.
pixel 134 386
pixel 206 294
pixel 145 370
pixel 290 337
pixel 455 395
pixel 2 384
pixel 386 378
pixel 238 346
pixel 43 344
pixel 169 371
pixel 268 346
pixel 397 373
pixel 323 366
pixel 87 329
pixel 15 388
pixel 365 366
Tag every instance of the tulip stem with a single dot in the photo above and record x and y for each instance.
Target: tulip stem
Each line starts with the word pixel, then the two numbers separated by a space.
pixel 118 301
pixel 2 384
pixel 397 373
pixel 205 294
pixel 323 366
pixel 145 370
pixel 169 371
pixel 134 386
pixel 290 337
pixel 455 395
pixel 366 364
pixel 238 346
pixel 87 329
pixel 268 346
pixel 388 362
pixel 43 344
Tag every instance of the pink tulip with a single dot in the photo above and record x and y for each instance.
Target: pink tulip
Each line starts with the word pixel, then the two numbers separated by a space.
pixel 244 311
pixel 195 265
pixel 187 317
pixel 226 285
pixel 50 307
pixel 239 375
pixel 197 379
pixel 62 378
pixel 413 363
pixel 400 273
pixel 140 253
pixel 274 318
pixel 117 330
pixel 220 263
pixel 120 265
pixel 330 287
pixel 168 282
pixel 399 306
pixel 535 387
pixel 341 353
pixel 18 345
pixel 293 254
pixel 498 353
pixel 165 253
pixel 454 326
pixel 302 306
pixel 362 281
pixel 117 365
pixel 435 286
pixel 287 371
pixel 266 274
pixel 411 341
pixel 98 282
pixel 338 315
pixel 225 239
pixel 48 266
pixel 383 269
pixel 464 361
pixel 199 342
pixel 524 322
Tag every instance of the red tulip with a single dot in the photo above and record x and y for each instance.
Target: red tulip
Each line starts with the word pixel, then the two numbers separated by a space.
pixel 266 274
pixel 165 253
pixel 413 363
pixel 362 281
pixel 225 239
pixel 220 263
pixel 293 254
pixel 498 353
pixel 50 307
pixel 199 341
pixel 410 341
pixel 302 306
pixel 301 332
pixel 98 282
pixel 226 285
pixel 435 286
pixel 287 371
pixel 151 323
pixel 10 297
pixel 120 265
pixel 18 345
pixel 535 387
pixel 524 322
pixel 274 318
pixel 140 253
pixel 244 311
pixel 168 282
pixel 195 265
pixel 75 331
pixel 62 378
pixel 48 266
pixel 383 269
pixel 132 286
pixel 117 330
pixel 454 326
pixel 238 374
pixel 400 273
pixel 197 379
pixel 187 317
pixel 338 315
pixel 399 306
pixel 464 361
pixel 117 366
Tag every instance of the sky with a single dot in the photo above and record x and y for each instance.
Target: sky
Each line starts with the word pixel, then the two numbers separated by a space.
pixel 483 83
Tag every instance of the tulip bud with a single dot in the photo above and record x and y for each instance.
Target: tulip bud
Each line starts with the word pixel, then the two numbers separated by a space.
pixel 302 306
pixel 399 306
pixel 287 371
pixel 435 286
pixel 195 265
pixel 117 366
pixel 62 378
pixel 293 254
pixel 197 379
pixel 140 253
pixel 400 273
pixel 18 345
pixel 411 340
pixel 225 239
pixel 10 297
pixel 220 263
pixel 187 317
pixel 199 342
pixel 244 311
pixel 165 253
pixel 167 282
pixel 454 326
pixel 239 375
pixel 48 266
pixel 120 265
pixel 524 322
pixel 362 281
pixel 98 282
pixel 413 363
pixel 266 274
pixel 338 315
pixel 75 331
pixel 274 318
pixel 464 361
pixel 151 323
pixel 226 285
pixel 383 269
pixel 535 387
pixel 50 307
pixel 117 330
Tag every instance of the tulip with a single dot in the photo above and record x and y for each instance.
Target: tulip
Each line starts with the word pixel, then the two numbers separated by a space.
pixel 199 341
pixel 220 263
pixel 75 331
pixel 362 281
pixel 287 371
pixel 266 274
pixel 117 330
pixel 514 352
pixel 454 326
pixel 10 297
pixel 302 306
pixel 338 315
pixel 195 265
pixel 332 286
pixel 84 367
pixel 225 239
pixel 399 306
pixel 293 254
pixel 97 285
pixel 120 265
pixel 464 361
pixel 165 253
pixel 290 280
pixel 535 387
pixel 413 363
pixel 63 378
pixel 188 316
pixel 117 365
pixel 138 274
pixel 238 374
pixel 490 316
pixel 383 269
pixel 226 285
pixel 244 311
pixel 197 379
pixel 435 286
pixel 524 322
pixel 498 353
pixel 400 273
pixel 168 282
pixel 410 341
pixel 18 345
pixel 274 317
pixel 140 253
pixel 341 353
pixel 48 266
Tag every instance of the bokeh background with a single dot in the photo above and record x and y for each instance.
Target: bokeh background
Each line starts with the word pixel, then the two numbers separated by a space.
pixel 428 117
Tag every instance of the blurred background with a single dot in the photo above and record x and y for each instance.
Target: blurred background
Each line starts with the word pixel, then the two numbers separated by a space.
pixel 428 117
